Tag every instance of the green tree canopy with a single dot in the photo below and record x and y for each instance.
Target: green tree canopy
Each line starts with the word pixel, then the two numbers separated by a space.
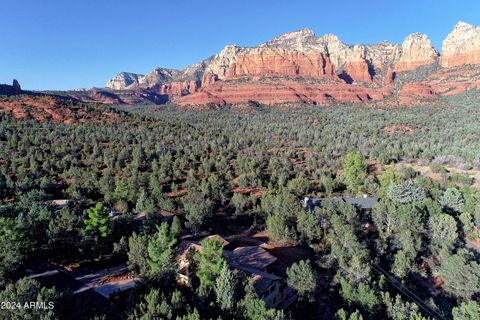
pixel 210 263
pixel 354 171
pixel 225 289
pixel 161 252
pixel 98 224
pixel 302 278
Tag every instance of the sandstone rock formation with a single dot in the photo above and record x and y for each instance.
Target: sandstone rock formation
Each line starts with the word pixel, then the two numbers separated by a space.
pixel 357 68
pixel 390 76
pixel 124 80
pixel 301 66
pixel 265 61
pixel 423 90
pixel 287 91
pixel 300 53
pixel 417 51
pixel 462 46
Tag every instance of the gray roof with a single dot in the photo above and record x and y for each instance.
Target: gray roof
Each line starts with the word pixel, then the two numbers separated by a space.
pixel 361 203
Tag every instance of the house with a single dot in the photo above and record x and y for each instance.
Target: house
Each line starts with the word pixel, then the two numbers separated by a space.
pixel 363 203
pixel 270 288
pixel 256 262
pixel 186 250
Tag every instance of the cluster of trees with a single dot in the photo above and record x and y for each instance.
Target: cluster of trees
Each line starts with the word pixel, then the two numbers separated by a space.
pixel 191 162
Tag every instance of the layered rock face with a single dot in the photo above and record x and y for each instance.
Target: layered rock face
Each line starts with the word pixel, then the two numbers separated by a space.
pixel 358 60
pixel 300 66
pixel 462 46
pixel 418 89
pixel 417 51
pixel 265 62
pixel 273 91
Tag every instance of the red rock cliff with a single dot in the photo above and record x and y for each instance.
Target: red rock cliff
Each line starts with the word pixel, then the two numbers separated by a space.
pixel 264 61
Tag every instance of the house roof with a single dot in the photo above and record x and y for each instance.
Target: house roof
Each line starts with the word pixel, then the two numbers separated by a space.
pixel 186 245
pixel 253 257
pixel 262 280
pixel 219 239
pixel 361 203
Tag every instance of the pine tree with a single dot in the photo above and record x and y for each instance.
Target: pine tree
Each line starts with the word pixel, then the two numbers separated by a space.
pixel 98 223
pixel 210 263
pixel 161 251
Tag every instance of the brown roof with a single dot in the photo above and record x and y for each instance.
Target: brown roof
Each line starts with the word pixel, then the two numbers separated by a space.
pixel 185 247
pixel 252 257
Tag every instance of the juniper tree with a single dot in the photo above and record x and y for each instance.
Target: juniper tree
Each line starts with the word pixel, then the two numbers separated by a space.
pixel 443 231
pixel 141 202
pixel 225 289
pixel 355 171
pixel 138 253
pixel 452 201
pixel 406 191
pixel 302 278
pixel 469 310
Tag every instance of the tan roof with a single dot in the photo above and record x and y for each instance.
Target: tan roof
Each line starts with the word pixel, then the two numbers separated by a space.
pixel 59 202
pixel 219 239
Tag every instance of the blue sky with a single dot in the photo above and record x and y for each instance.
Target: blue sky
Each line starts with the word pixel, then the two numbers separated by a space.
pixel 53 44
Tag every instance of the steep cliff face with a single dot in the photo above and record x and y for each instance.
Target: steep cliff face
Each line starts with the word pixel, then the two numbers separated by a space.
pixel 462 46
pixel 358 62
pixel 273 91
pixel 417 51
pixel 221 62
pixel 298 53
pixel 359 58
pixel 306 66
pixel 268 61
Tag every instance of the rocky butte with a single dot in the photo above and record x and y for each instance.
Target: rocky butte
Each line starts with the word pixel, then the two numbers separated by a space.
pixel 302 67
pixel 462 46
